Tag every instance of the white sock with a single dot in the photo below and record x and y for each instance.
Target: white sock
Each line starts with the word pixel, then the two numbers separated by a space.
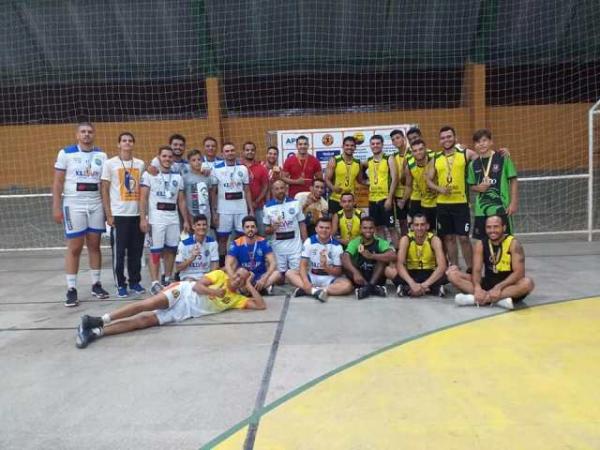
pixel 312 291
pixel 106 319
pixel 98 331
pixel 95 276
pixel 155 282
pixel 71 281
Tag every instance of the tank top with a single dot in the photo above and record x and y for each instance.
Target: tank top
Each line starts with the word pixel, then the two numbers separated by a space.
pixel 420 256
pixel 344 176
pixel 451 171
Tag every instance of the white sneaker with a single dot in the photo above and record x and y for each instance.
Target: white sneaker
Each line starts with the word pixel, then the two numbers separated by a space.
pixel 320 294
pixel 506 303
pixel 464 299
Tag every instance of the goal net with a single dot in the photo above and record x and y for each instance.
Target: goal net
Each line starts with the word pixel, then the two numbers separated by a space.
pixel 238 70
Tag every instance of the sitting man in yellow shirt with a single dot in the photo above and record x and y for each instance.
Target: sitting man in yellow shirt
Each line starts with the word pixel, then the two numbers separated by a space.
pixel 215 292
pixel 345 224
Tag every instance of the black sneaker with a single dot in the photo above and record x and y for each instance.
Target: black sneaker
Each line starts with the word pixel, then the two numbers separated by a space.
pixel 299 292
pixel 71 298
pixel 89 322
pixel 320 294
pixel 380 291
pixel 98 292
pixel 362 292
pixel 84 337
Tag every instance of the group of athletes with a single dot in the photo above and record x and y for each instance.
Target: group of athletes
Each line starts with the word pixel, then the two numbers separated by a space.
pixel 227 228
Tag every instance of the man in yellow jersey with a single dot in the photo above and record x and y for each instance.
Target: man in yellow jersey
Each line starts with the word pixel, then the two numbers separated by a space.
pixel 422 199
pixel 413 134
pixel 342 173
pixel 403 188
pixel 502 260
pixel 382 184
pixel 420 264
pixel 215 292
pixel 345 224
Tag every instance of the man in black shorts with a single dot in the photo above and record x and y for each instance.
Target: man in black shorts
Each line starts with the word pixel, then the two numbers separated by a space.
pixel 502 259
pixel 365 260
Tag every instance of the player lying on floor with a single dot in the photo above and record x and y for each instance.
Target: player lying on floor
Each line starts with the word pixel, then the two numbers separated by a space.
pixel 215 292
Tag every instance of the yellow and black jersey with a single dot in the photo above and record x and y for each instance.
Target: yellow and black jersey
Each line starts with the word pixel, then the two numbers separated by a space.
pixel 451 171
pixel 344 176
pixel 379 178
pixel 420 256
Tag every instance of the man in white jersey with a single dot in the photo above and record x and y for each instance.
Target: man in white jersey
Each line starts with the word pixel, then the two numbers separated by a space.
pixel 284 221
pixel 77 178
pixel 198 254
pixel 231 199
pixel 121 177
pixel 320 273
pixel 161 195
pixel 181 166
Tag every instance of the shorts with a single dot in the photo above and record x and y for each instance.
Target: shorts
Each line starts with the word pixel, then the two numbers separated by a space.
pixel 383 217
pixel 163 236
pixel 479 226
pixel 229 223
pixel 488 282
pixel 431 214
pixel 333 206
pixel 401 213
pixel 287 262
pixel 415 208
pixel 421 275
pixel 80 219
pixel 453 219
pixel 181 304
pixel 321 281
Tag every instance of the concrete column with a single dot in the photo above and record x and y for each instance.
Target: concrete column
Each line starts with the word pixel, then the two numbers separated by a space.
pixel 473 94
pixel 213 100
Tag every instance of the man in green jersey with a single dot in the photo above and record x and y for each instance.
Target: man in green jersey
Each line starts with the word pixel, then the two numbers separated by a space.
pixel 494 180
pixel 365 260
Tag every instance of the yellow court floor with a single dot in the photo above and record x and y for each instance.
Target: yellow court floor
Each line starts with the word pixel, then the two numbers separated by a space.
pixel 528 379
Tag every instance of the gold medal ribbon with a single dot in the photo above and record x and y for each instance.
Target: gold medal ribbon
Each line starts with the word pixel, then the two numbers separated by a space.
pixel 495 256
pixel 486 170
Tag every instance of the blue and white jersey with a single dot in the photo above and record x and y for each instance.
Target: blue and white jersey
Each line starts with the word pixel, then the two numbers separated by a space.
pixel 208 253
pixel 181 167
pixel 206 164
pixel 83 170
pixel 288 214
pixel 313 250
pixel 162 201
pixel 230 182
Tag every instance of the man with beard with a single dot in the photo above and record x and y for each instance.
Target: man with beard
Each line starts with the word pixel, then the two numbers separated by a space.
pixel 345 225
pixel 365 260
pixel 313 205
pixel 215 292
pixel 177 142
pixel 301 168
pixel 343 171
pixel 502 260
pixel 423 199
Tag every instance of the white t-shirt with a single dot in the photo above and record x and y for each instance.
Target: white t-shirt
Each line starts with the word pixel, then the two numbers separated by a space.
pixel 313 248
pixel 286 240
pixel 209 253
pixel 82 173
pixel 124 178
pixel 230 181
pixel 162 201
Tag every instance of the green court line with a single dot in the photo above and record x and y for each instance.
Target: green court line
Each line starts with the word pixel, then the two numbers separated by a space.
pixel 295 392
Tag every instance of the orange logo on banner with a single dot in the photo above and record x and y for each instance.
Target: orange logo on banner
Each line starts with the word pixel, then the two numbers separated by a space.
pixel 327 140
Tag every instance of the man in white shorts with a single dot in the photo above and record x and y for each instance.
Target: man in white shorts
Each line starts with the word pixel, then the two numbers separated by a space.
pixel 161 196
pixel 198 254
pixel 231 199
pixel 284 222
pixel 213 293
pixel 77 173
pixel 320 273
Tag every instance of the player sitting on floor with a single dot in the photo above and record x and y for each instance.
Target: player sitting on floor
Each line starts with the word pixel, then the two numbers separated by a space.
pixel 213 293
pixel 421 262
pixel 320 271
pixel 502 259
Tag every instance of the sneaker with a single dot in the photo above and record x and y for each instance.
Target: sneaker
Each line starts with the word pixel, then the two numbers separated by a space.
pixel 400 291
pixel 506 303
pixel 320 294
pixel 464 299
pixel 84 337
pixel 362 292
pixel 137 288
pixel 98 291
pixel 298 292
pixel 89 322
pixel 269 290
pixel 155 288
pixel 122 292
pixel 380 291
pixel 441 292
pixel 165 281
pixel 71 299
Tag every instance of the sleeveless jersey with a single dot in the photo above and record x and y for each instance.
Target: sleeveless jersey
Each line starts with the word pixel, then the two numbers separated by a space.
pixel 399 159
pixel 420 256
pixel 349 228
pixel 420 190
pixel 379 178
pixel 502 259
pixel 451 171
pixel 344 176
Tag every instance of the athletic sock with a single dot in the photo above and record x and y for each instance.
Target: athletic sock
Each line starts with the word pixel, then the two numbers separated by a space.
pixel 98 331
pixel 71 281
pixel 313 290
pixel 95 274
pixel 106 319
